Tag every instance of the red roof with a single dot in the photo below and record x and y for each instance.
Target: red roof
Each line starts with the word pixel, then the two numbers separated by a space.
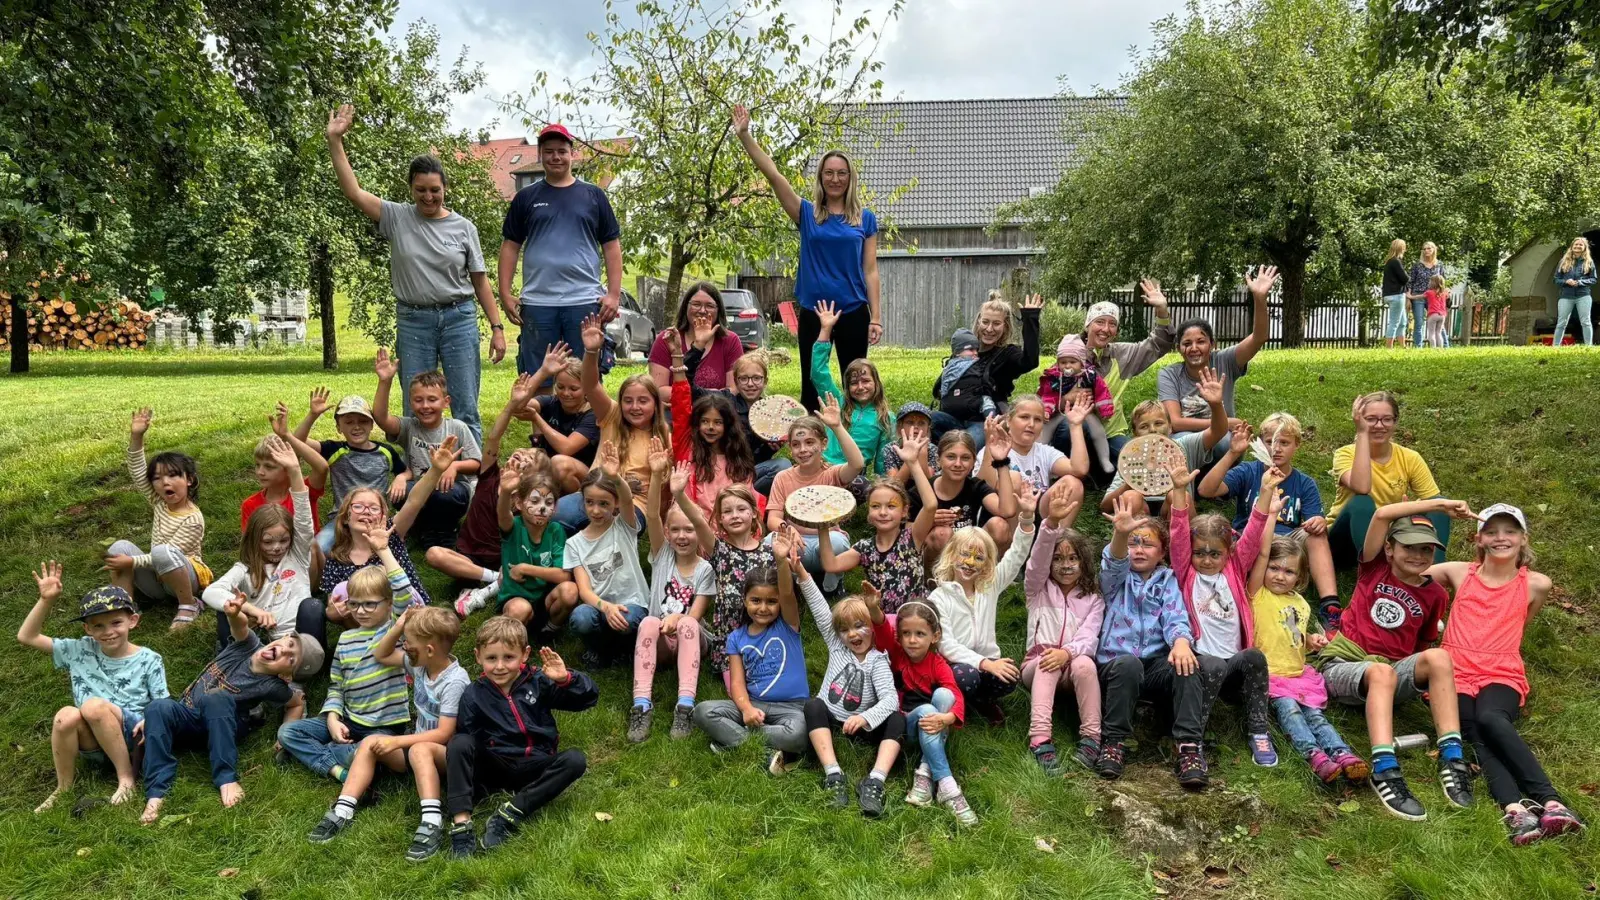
pixel 519 156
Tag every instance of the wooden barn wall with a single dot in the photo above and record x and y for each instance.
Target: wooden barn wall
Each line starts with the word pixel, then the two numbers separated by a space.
pixel 925 296
pixel 928 239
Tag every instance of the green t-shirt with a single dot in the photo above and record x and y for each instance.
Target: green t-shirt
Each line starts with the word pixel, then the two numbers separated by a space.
pixel 518 547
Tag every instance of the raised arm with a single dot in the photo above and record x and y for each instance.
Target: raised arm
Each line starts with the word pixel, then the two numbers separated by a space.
pixel 836 564
pixel 1211 392
pixel 339 121
pixel 387 651
pixel 300 450
pixel 31 633
pixel 853 461
pixel 1215 485
pixel 787 198
pixel 521 392
pixel 822 352
pixel 1077 465
pixel 660 470
pixel 506 498
pixel 1261 322
pixel 922 526
pixel 1378 531
pixel 440 460
pixel 314 411
pixel 1358 478
pixel 138 470
pixel 386 369
pixel 594 339
pixel 786 549
pixel 703 532
pixel 1258 569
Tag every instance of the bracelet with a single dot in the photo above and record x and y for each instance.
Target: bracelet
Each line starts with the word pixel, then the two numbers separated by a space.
pixel 1001 463
pixel 497 327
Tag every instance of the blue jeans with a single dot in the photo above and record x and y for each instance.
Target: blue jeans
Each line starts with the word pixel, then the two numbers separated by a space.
pixel 309 741
pixel 812 557
pixel 1564 310
pixel 168 721
pixel 943 422
pixel 442 338
pixel 1061 439
pixel 542 326
pixel 1306 727
pixel 440 518
pixel 766 471
pixel 933 753
pixel 597 634
pixel 1394 320
pixel 571 515
pixel 1419 317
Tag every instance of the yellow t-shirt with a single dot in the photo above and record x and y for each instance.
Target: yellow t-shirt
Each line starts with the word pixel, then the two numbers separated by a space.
pixel 1281 621
pixel 1405 476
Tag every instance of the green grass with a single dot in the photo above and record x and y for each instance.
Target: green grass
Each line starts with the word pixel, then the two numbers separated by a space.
pixel 1501 424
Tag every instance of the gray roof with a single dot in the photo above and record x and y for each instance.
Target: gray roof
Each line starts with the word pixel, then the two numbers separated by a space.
pixel 966 157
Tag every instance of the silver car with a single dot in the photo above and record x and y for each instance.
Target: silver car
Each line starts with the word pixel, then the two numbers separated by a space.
pixel 632 331
pixel 745 318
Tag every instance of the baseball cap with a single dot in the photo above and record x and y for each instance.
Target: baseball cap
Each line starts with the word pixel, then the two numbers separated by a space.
pixel 554 129
pixel 355 403
pixel 913 408
pixel 1103 308
pixel 309 660
pixel 1414 531
pixel 103 600
pixel 1502 509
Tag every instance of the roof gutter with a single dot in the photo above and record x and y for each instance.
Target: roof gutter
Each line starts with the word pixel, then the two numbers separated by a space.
pixel 953 252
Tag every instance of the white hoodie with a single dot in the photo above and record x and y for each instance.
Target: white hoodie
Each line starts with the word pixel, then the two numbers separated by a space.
pixel 968 625
pixel 287 583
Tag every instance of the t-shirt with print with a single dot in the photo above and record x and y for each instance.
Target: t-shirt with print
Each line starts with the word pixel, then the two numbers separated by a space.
pixel 1034 465
pixel 731 564
pixel 1218 612
pixel 670 592
pixel 561 230
pixel 968 502
pixel 1302 500
pixel 1173 383
pixel 517 547
pixel 1405 476
pixel 897 573
pixel 612 561
pixel 230 673
pixel 129 682
pixel 1195 455
pixel 420 442
pixel 790 480
pixel 581 422
pixel 438 697
pixel 1390 618
pixel 430 260
pixel 353 467
pixel 831 254
pixel 774 662
pixel 259 499
pixel 1281 625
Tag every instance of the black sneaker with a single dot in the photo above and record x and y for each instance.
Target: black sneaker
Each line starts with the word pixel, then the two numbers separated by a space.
pixel 682 722
pixel 1396 797
pixel 839 788
pixel 428 840
pixel 591 659
pixel 1087 754
pixel 463 843
pixel 1109 765
pixel 502 825
pixel 1046 756
pixel 639 723
pixel 328 829
pixel 1456 779
pixel 869 793
pixel 1190 767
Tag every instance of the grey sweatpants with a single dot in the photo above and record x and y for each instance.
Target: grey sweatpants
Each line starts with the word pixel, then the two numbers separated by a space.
pixel 785 728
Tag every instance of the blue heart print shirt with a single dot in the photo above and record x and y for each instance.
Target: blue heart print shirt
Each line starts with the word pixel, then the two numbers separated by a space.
pixel 774 662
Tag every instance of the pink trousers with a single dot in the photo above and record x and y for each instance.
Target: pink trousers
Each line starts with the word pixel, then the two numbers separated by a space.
pixel 1085 683
pixel 652 647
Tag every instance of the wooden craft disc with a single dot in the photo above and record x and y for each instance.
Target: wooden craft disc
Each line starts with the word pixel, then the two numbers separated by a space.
pixel 771 416
pixel 1147 462
pixel 817 505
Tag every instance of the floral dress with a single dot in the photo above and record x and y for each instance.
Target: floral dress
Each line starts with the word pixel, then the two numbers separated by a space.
pixel 727 614
pixel 897 573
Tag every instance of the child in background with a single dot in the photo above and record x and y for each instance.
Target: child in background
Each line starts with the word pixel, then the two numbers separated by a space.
pixel 1064 616
pixel 891 557
pixel 710 436
pixel 564 426
pixel 534 586
pixel 113 680
pixel 1031 459
pixel 419 435
pixel 1495 598
pixel 355 462
pixel 930 699
pixel 604 561
pixel 1213 573
pixel 682 586
pixel 366 696
pixel 216 709
pixel 506 737
pixel 1437 297
pixel 913 420
pixel 279 478
pixel 967 596
pixel 865 407
pixel 962 390
pixel 1074 370
pixel 1150 417
pixel 731 542
pixel 806 437
pixel 1286 631
pixel 965 499
pixel 172 569
pixel 1394 617
pixel 438 682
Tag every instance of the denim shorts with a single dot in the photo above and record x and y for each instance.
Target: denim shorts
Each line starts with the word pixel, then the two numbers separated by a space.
pixel 130 721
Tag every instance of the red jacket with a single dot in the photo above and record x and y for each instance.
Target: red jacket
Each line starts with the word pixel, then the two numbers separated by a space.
pixel 917 681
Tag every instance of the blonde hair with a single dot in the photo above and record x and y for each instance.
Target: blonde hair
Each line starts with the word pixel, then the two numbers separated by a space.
pixel 619 432
pixel 1021 399
pixel 755 359
pixel 1292 547
pixel 879 402
pixel 434 625
pixel 1148 407
pixel 264 449
pixel 369 583
pixel 1524 553
pixel 1366 400
pixel 501 630
pixel 737 491
pixel 852 193
pixel 1436 283
pixel 574 370
pixel 965 539
pixel 261 521
pixel 1281 425
pixel 997 304
pixel 342 537
pixel 1567 259
pixel 811 424
pixel 1397 248
pixel 850 611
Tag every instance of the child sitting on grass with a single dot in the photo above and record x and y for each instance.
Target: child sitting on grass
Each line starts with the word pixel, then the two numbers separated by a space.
pixel 534 587
pixel 172 569
pixel 864 406
pixel 113 680
pixel 1150 417
pixel 438 682
pixel 603 558
pixel 357 461
pixel 506 737
pixel 280 478
pixel 891 557
pixel 807 440
pixel 419 434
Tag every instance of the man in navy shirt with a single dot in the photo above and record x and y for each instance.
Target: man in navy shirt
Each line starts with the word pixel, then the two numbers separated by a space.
pixel 560 226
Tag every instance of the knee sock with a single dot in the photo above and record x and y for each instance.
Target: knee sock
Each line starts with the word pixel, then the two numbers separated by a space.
pixel 344 807
pixel 1450 746
pixel 432 812
pixel 1383 758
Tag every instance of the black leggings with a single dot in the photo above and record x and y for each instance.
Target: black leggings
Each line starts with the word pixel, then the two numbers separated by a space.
pixel 311 618
pixel 891 729
pixel 849 344
pixel 1489 723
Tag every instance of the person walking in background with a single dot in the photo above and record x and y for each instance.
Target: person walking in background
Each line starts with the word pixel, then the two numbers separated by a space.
pixel 1395 280
pixel 1422 272
pixel 838 254
pixel 1575 274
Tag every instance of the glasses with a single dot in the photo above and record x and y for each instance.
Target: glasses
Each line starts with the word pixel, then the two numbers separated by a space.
pixel 365 508
pixel 703 307
pixel 364 605
pixel 750 379
pixel 1379 421
pixel 1206 553
pixel 1137 541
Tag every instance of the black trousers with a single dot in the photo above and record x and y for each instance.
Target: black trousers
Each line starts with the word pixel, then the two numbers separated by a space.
pixel 978 686
pixel 1240 679
pixel 473 772
pixel 891 729
pixel 1127 678
pixel 1489 723
pixel 849 344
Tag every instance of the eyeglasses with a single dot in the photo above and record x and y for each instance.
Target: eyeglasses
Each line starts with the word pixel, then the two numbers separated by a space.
pixel 365 508
pixel 702 307
pixel 364 605
pixel 751 379
pixel 1379 421
pixel 1206 553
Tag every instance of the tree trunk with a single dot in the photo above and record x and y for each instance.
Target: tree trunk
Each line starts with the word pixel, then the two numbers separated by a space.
pixel 322 283
pixel 1293 272
pixel 19 335
pixel 677 261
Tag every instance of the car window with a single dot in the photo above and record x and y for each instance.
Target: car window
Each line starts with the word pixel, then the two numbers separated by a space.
pixel 737 300
pixel 629 303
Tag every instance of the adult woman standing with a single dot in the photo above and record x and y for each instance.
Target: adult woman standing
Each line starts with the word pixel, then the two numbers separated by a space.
pixel 436 269
pixel 1575 274
pixel 709 350
pixel 1178 385
pixel 838 254
pixel 1422 271
pixel 1395 279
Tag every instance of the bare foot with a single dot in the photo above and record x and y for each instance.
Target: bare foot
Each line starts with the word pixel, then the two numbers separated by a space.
pixel 232 793
pixel 48 801
pixel 123 794
pixel 152 811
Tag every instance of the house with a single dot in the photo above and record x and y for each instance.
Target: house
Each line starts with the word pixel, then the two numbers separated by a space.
pixel 1533 289
pixel 515 161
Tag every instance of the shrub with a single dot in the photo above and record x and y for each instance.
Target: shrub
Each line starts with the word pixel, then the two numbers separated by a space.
pixel 1056 321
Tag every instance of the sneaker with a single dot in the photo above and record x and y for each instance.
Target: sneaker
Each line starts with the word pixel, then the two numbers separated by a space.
pixel 1045 753
pixel 780 762
pixel 1396 797
pixel 1326 769
pixel 1109 763
pixel 991 712
pixel 682 722
pixel 502 825
pixel 463 843
pixel 1087 753
pixel 921 793
pixel 1190 767
pixel 471 600
pixel 1352 766
pixel 639 723
pixel 869 793
pixel 1456 779
pixel 428 840
pixel 328 829
pixel 1331 614
pixel 839 788
pixel 1556 820
pixel 956 802
pixel 1262 752
pixel 1523 826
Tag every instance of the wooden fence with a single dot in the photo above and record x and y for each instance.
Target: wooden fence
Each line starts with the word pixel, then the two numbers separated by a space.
pixel 1326 324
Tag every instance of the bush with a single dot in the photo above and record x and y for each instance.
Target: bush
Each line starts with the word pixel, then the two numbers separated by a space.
pixel 1056 321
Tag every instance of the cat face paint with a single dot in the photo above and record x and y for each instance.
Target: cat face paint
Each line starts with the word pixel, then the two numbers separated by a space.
pixel 537 507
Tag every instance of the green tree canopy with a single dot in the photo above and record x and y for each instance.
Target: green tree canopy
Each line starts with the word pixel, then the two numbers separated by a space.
pixel 1526 44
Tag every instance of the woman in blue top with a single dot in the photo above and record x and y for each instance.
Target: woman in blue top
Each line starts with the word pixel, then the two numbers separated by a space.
pixel 838 255
pixel 1575 274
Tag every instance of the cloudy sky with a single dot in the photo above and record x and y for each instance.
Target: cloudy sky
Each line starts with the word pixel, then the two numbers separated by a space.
pixel 939 49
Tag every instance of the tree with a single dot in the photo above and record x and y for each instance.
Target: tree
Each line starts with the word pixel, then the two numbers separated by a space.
pixel 1527 44
pixel 684 189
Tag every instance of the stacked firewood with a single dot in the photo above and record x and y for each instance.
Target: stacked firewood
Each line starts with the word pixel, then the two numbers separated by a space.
pixel 58 324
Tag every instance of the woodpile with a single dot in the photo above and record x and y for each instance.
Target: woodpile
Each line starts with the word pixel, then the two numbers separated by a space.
pixel 58 324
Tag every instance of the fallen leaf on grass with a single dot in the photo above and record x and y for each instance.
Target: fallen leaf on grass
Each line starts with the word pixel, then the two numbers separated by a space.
pixel 1164 876
pixel 672 783
pixel 1045 845
pixel 1217 878
pixel 228 873
pixel 1589 788
pixel 1349 806
pixel 1334 862
pixel 603 817
pixel 1257 387
pixel 83 851
pixel 174 819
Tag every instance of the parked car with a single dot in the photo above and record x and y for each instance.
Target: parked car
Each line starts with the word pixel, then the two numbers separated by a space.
pixel 631 330
pixel 745 318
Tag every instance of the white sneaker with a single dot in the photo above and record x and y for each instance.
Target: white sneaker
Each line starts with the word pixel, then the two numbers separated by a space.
pixel 471 600
pixel 956 802
pixel 921 793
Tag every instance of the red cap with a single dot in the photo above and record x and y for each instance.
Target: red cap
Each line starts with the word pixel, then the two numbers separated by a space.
pixel 556 129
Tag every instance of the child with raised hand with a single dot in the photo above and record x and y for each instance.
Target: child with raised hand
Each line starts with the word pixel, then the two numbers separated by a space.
pixel 1383 652
pixel 1150 417
pixel 930 699
pixel 1064 616
pixel 172 569
pixel 892 556
pixel 366 696
pixel 965 498
pixel 603 558
pixel 1496 595
pixel 506 738
pixel 865 408
pixel 913 420
pixel 1286 632
pixel 357 461
pixel 418 435
pixel 1213 573
pixel 534 586
pixel 967 596
pixel 438 682
pixel 1146 645
pixel 710 436
pixel 1033 460
pixel 731 542
pixel 113 680
pixel 807 435
pixel 749 386
pixel 216 708
pixel 682 587
pixel 279 477
pixel 563 424
pixel 766 681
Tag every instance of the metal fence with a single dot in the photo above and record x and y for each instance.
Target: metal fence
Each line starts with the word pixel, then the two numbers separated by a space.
pixel 1326 324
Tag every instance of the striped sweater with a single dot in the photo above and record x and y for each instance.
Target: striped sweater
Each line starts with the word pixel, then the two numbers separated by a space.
pixel 359 689
pixel 186 531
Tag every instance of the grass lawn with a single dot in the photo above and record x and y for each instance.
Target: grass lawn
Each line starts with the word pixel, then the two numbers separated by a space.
pixel 1496 424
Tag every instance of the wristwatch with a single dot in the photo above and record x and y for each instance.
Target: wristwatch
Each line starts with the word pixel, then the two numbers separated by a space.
pixel 497 327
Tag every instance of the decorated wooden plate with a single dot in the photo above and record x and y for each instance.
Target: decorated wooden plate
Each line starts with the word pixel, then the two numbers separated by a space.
pixel 771 416
pixel 1147 462
pixel 817 505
